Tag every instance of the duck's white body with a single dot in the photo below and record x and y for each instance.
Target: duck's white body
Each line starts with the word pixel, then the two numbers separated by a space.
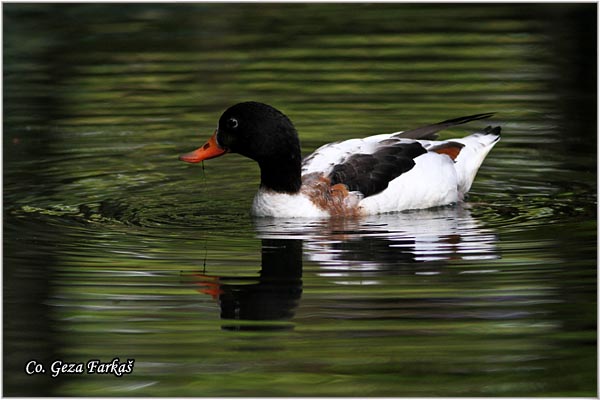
pixel 282 205
pixel 435 180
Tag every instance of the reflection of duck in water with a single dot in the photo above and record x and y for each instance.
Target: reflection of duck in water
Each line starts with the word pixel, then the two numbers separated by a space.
pixel 377 174
pixel 271 297
pixel 388 241
pixel 417 242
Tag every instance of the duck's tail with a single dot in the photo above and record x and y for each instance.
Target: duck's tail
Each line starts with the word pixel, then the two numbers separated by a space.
pixel 476 148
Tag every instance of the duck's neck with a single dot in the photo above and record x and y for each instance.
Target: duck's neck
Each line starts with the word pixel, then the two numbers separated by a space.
pixel 281 175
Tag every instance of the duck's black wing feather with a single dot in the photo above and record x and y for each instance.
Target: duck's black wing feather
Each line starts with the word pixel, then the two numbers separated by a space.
pixel 429 132
pixel 371 173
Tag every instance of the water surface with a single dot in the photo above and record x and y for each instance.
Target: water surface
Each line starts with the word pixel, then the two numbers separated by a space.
pixel 113 248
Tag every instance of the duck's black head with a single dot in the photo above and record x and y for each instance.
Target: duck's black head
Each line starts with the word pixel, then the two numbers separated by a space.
pixel 257 131
pixel 261 133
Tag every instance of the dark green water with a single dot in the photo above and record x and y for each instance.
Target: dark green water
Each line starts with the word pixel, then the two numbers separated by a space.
pixel 113 248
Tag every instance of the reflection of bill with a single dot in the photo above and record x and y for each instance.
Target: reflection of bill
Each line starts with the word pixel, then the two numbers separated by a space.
pixel 419 242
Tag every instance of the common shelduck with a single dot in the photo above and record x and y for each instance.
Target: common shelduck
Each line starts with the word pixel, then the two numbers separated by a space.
pixel 377 174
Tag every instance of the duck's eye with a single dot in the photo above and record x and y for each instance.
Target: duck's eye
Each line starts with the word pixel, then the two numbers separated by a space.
pixel 232 123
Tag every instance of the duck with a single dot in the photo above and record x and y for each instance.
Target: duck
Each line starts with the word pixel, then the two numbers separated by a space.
pixel 384 173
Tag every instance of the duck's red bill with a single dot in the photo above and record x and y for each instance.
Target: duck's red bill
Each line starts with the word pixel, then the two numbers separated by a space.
pixel 210 150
